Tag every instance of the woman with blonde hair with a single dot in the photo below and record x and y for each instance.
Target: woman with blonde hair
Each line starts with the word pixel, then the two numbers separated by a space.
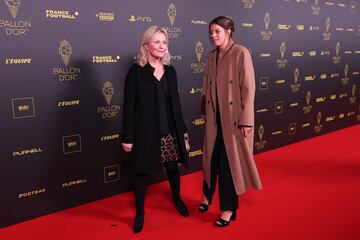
pixel 154 131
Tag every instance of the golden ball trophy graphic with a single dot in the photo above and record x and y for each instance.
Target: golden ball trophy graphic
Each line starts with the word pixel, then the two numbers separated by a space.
pixel 282 49
pixel 346 70
pixel 199 50
pixel 308 97
pixel 353 90
pixel 171 12
pixel 318 118
pixel 108 91
pixel 65 51
pixel 261 132
pixel 337 48
pixel 296 75
pixel 13 6
pixel 267 21
pixel 327 24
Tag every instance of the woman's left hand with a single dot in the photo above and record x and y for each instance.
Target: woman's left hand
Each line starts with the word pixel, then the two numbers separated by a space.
pixel 245 131
pixel 187 144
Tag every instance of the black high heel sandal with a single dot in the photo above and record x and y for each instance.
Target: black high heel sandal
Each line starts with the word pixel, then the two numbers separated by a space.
pixel 181 207
pixel 223 223
pixel 138 222
pixel 203 207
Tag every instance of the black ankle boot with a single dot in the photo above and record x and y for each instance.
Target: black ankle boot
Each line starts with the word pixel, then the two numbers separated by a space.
pixel 138 222
pixel 181 207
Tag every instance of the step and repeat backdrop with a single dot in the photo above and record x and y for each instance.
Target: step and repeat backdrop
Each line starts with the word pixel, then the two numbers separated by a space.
pixel 62 68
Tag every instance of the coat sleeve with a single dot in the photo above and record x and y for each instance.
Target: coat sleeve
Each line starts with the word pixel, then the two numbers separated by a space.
pixel 247 90
pixel 178 103
pixel 204 89
pixel 129 106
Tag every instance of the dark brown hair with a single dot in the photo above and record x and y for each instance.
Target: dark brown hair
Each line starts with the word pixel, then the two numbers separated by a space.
pixel 224 22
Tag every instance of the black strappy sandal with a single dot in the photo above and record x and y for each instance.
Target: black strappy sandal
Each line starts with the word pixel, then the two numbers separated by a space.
pixel 223 223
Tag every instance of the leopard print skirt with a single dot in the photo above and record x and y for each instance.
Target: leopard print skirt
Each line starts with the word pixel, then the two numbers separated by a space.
pixel 169 149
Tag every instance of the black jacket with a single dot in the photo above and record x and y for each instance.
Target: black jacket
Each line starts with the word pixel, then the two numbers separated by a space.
pixel 141 117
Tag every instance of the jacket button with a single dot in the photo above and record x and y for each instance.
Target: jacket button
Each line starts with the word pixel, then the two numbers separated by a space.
pixel 231 81
pixel 230 103
pixel 208 101
pixel 210 83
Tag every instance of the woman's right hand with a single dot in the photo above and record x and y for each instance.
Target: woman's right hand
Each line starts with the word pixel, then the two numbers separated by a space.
pixel 127 147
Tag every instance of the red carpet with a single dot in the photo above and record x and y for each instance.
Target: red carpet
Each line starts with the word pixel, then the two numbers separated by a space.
pixel 311 191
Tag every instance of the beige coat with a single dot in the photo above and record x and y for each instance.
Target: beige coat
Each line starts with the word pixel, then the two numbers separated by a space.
pixel 234 79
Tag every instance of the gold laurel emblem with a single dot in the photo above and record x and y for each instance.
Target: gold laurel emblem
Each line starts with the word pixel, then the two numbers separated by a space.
pixel 171 12
pixel 261 132
pixel 296 75
pixel 282 49
pixel 327 24
pixel 318 117
pixel 13 6
pixel 346 70
pixel 199 50
pixel 337 48
pixel 108 91
pixel 267 20
pixel 353 90
pixel 65 51
pixel 308 98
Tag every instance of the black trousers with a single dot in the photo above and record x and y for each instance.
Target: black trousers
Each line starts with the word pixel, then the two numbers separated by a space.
pixel 173 174
pixel 220 166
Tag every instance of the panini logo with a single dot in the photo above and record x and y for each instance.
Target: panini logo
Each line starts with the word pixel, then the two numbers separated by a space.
pixel 105 16
pixel 61 14
pixel 18 61
pixel 31 193
pixel 105 59
pixel 74 182
pixel 68 103
pixel 26 152
pixel 110 137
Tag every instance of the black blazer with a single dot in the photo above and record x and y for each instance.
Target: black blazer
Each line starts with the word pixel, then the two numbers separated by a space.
pixel 141 125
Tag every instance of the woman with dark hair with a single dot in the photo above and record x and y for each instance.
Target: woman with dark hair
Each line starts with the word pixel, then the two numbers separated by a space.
pixel 227 104
pixel 153 125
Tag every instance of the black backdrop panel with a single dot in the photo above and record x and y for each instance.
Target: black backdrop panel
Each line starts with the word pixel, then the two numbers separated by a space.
pixel 63 63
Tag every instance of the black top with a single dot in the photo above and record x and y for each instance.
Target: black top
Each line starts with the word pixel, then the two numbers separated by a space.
pixel 165 116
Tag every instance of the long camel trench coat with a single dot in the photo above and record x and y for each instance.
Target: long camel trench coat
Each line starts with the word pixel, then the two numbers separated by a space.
pixel 234 80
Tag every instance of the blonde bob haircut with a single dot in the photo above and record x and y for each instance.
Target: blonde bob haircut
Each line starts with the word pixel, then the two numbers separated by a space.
pixel 142 56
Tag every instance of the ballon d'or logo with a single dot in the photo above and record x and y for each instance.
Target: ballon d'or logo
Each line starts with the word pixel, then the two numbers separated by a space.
pixel 261 132
pixel 108 91
pixel 267 20
pixel 296 75
pixel 327 24
pixel 171 12
pixel 282 49
pixel 13 6
pixel 199 50
pixel 65 51
pixel 318 118
pixel 308 97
